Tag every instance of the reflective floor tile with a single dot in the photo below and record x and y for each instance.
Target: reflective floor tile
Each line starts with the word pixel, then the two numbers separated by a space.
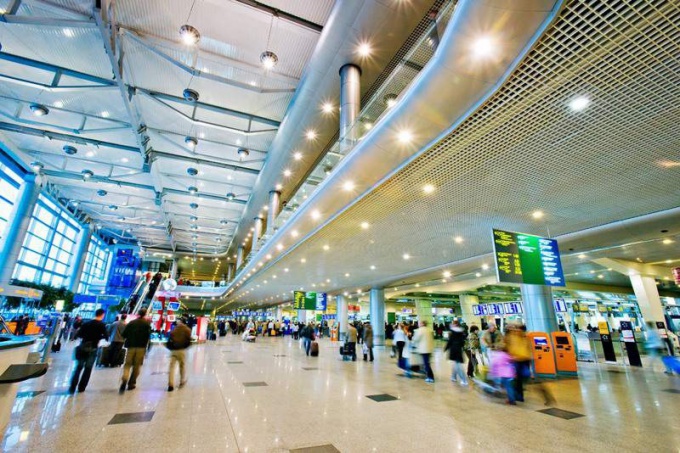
pixel 131 417
pixel 317 449
pixel 381 398
pixel 567 415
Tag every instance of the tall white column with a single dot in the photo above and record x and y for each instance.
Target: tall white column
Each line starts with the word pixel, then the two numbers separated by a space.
pixel 230 272
pixel 173 269
pixel 647 295
pixel 19 219
pixel 424 310
pixel 257 234
pixel 466 303
pixel 350 104
pixel 274 207
pixel 79 258
pixel 539 309
pixel 239 258
pixel 342 314
pixel 377 310
pixel 278 315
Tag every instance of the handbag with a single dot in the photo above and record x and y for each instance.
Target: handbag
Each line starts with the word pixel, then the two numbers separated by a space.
pixel 364 348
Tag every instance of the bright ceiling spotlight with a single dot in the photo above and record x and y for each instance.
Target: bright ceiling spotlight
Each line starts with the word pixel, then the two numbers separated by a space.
pixel 193 190
pixel 192 171
pixel 191 142
pixel 537 215
pixel 483 47
pixel 287 173
pixel 348 185
pixel 243 153
pixel 294 233
pixel 68 32
pixel 297 155
pixel 327 107
pixel 326 247
pixel 390 100
pixel 428 189
pixel 193 205
pixel 190 95
pixel 447 274
pixel 364 49
pixel 90 154
pixel 189 34
pixel 406 256
pixel 582 256
pixel 372 267
pixel 268 59
pixel 316 215
pixel 579 104
pixel 667 241
pixel 310 134
pixel 102 192
pixel 39 109
pixel 37 166
pixel 478 275
pixel 365 225
pixel 231 196
pixel 105 114
pixel 405 136
pixel 485 266
pixel 279 247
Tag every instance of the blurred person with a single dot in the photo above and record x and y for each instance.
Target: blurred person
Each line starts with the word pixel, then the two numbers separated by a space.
pixel 424 345
pixel 90 334
pixel 137 334
pixel 368 341
pixel 502 369
pixel 492 340
pixel 178 342
pixel 473 350
pixel 360 331
pixel 399 338
pixel 519 349
pixel 351 340
pixel 655 346
pixel 454 344
pixel 116 339
pixel 307 335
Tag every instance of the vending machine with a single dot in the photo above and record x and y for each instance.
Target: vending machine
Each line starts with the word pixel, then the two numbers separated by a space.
pixel 544 359
pixel 565 353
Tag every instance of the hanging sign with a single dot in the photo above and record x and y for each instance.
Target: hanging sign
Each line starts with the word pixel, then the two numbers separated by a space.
pixel 524 258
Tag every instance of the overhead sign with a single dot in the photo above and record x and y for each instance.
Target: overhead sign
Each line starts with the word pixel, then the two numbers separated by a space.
pixel 512 308
pixel 524 258
pixel 20 291
pixel 560 305
pixel 310 301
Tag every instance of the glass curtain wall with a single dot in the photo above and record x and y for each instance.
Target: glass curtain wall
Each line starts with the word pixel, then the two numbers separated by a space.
pixel 49 245
pixel 10 182
pixel 97 260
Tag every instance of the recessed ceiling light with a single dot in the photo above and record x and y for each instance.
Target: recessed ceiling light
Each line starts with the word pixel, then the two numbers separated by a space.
pixel 600 276
pixel 326 247
pixel 537 214
pixel 279 186
pixel 582 256
pixel 484 47
pixel 105 114
pixel 39 109
pixel 58 104
pixel 485 266
pixel 191 142
pixel 458 239
pixel 303 260
pixel 406 256
pixel 428 188
pixel 372 267
pixel 316 215
pixel 231 196
pixel 365 225
pixel 279 247
pixel 287 173
pixel 268 59
pixel 37 166
pixel 390 100
pixel 667 241
pixel 102 192
pixel 285 269
pixel 579 104
pixel 348 185
pixel 447 274
pixel 405 136
pixel 193 205
pixel 478 275
pixel 364 49
pixel 294 233
pixel 193 190
pixel 327 107
pixel 310 134
pixel 189 34
pixel 346 275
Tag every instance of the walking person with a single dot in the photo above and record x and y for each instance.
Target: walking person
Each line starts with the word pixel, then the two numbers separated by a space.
pixel 473 350
pixel 454 345
pixel 307 337
pixel 519 349
pixel 424 344
pixel 368 341
pixel 137 334
pixel 178 342
pixel 399 338
pixel 492 340
pixel 351 342
pixel 91 333
pixel 117 341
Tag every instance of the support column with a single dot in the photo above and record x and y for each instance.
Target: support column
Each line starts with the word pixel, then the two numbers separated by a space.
pixel 539 309
pixel 377 310
pixel 274 207
pixel 466 303
pixel 647 295
pixel 342 314
pixel 350 104
pixel 278 315
pixel 424 310
pixel 239 258
pixel 10 245
pixel 80 257
pixel 230 272
pixel 257 234
pixel 173 269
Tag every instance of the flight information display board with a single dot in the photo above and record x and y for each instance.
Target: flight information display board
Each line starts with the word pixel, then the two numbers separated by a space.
pixel 524 258
pixel 310 301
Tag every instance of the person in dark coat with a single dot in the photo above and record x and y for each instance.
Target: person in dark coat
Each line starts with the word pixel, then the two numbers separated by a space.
pixel 454 345
pixel 368 341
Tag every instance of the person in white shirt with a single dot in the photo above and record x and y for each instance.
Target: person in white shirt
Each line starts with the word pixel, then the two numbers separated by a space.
pixel 424 343
pixel 399 338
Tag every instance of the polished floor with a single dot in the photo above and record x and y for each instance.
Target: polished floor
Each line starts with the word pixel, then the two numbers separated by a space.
pixel 269 397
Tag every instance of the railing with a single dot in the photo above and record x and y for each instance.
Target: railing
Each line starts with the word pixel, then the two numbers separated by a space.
pixel 382 100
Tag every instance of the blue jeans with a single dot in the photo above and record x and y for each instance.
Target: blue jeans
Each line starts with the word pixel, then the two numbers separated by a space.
pixel 426 365
pixel 508 385
pixel 84 367
pixel 308 344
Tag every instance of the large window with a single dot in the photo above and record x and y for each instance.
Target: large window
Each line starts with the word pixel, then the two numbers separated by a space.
pixel 10 182
pixel 48 246
pixel 95 264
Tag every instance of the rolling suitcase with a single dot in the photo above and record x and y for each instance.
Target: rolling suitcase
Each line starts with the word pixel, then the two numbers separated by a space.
pixel 314 349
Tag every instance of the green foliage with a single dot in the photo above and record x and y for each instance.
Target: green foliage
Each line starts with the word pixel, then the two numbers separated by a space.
pixel 50 295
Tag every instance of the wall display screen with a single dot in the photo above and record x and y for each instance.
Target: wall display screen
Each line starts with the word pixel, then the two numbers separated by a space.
pixel 310 301
pixel 512 308
pixel 524 258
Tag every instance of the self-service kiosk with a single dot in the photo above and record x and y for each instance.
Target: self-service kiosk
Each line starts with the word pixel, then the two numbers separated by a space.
pixel 544 360
pixel 565 353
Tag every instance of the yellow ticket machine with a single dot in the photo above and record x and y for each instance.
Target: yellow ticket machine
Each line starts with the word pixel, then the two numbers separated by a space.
pixel 565 353
pixel 544 360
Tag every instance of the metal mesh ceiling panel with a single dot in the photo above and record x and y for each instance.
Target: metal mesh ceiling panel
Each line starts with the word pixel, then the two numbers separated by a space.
pixel 525 149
